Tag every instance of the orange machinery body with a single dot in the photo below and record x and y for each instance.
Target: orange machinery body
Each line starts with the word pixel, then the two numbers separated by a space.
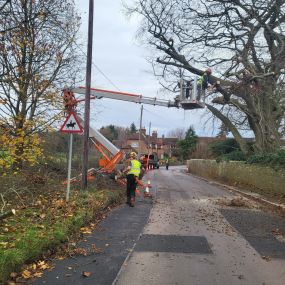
pixel 108 162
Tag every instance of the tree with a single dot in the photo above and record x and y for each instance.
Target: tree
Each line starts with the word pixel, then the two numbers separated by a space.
pixel 122 135
pixel 188 145
pixel 243 40
pixel 3 4
pixel 177 133
pixel 133 128
pixel 38 58
pixel 110 132
pixel 221 147
pixel 223 131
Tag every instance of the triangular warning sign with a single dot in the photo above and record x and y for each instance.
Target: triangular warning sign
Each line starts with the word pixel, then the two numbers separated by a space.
pixel 71 124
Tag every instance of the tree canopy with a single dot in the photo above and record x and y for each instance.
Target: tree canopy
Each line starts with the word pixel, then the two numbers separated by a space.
pixel 38 57
pixel 188 145
pixel 244 43
pixel 133 128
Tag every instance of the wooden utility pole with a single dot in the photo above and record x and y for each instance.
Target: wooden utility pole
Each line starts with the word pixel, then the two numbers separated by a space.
pixel 148 144
pixel 87 95
pixel 139 151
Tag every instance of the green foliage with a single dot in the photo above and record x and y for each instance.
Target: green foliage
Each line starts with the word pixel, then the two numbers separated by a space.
pixel 29 238
pixel 165 155
pixel 175 161
pixel 275 160
pixel 236 155
pixel 133 128
pixel 228 150
pixel 110 132
pixel 222 147
pixel 188 145
pixel 37 58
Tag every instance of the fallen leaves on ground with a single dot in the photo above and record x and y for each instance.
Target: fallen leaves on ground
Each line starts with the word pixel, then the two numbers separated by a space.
pixel 236 202
pixel 266 258
pixel 80 251
pixel 278 234
pixel 86 273
pixel 26 274
pixel 86 230
pixel 34 270
pixel 40 214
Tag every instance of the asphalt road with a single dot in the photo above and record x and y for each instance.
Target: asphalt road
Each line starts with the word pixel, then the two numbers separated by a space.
pixel 188 235
pixel 194 238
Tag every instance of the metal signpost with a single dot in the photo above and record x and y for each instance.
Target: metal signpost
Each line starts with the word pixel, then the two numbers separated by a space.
pixel 70 126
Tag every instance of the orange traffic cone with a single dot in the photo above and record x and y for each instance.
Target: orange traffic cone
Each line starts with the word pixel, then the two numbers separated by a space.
pixel 146 191
pixel 138 193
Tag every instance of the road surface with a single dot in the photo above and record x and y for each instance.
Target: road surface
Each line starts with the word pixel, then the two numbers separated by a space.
pixel 187 236
pixel 192 237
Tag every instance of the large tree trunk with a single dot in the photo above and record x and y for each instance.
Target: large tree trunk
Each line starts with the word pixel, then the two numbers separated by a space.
pixel 19 145
pixel 264 114
pixel 240 140
pixel 265 118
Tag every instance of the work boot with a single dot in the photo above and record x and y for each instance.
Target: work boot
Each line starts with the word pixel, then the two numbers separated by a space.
pixel 132 202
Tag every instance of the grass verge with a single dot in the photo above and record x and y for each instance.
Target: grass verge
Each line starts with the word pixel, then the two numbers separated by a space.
pixel 47 224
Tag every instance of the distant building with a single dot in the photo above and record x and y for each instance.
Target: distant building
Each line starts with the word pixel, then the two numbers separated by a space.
pixel 163 145
pixel 149 143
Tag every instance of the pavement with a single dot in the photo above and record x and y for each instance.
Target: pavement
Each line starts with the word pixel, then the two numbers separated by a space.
pixel 190 234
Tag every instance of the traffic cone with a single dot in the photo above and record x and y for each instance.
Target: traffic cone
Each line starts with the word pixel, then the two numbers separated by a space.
pixel 138 193
pixel 146 192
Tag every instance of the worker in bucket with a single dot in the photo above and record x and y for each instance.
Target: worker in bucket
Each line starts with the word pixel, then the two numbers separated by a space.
pixel 133 171
pixel 203 83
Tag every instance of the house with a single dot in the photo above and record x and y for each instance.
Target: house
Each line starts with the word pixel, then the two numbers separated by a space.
pixel 148 143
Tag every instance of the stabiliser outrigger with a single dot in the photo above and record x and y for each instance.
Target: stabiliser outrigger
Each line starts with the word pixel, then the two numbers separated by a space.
pixel 111 155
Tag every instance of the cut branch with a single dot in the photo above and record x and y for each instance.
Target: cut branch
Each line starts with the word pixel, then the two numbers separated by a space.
pixel 7 214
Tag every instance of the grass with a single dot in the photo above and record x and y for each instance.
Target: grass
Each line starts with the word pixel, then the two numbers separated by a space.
pixel 46 225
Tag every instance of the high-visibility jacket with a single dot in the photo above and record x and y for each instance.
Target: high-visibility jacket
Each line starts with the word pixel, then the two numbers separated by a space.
pixel 203 81
pixel 135 167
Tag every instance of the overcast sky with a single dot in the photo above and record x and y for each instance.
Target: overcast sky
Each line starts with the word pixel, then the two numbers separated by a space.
pixel 117 53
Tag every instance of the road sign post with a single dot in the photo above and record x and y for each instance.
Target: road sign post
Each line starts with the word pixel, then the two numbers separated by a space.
pixel 72 126
pixel 69 167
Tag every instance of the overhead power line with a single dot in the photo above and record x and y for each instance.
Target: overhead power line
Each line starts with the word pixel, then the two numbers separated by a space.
pixel 100 71
pixel 97 67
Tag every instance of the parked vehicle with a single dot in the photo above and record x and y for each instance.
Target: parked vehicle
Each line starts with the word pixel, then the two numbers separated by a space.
pixel 150 161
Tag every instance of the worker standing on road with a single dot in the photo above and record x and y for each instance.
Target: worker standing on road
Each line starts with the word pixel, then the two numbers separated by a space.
pixel 203 83
pixel 133 172
pixel 167 163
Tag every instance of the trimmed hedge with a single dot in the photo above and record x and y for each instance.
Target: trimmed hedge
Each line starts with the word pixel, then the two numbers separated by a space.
pixel 252 177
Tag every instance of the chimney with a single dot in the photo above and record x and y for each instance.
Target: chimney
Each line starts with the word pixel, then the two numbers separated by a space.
pixel 154 135
pixel 143 130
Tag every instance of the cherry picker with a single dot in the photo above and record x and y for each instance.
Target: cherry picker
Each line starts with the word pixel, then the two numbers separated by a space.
pixel 111 155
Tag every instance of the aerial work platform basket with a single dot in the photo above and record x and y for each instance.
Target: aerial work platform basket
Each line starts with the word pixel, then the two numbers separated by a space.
pixel 192 104
pixel 190 95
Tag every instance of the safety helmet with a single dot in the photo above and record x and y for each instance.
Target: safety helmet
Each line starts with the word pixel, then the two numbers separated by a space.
pixel 133 154
pixel 209 71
